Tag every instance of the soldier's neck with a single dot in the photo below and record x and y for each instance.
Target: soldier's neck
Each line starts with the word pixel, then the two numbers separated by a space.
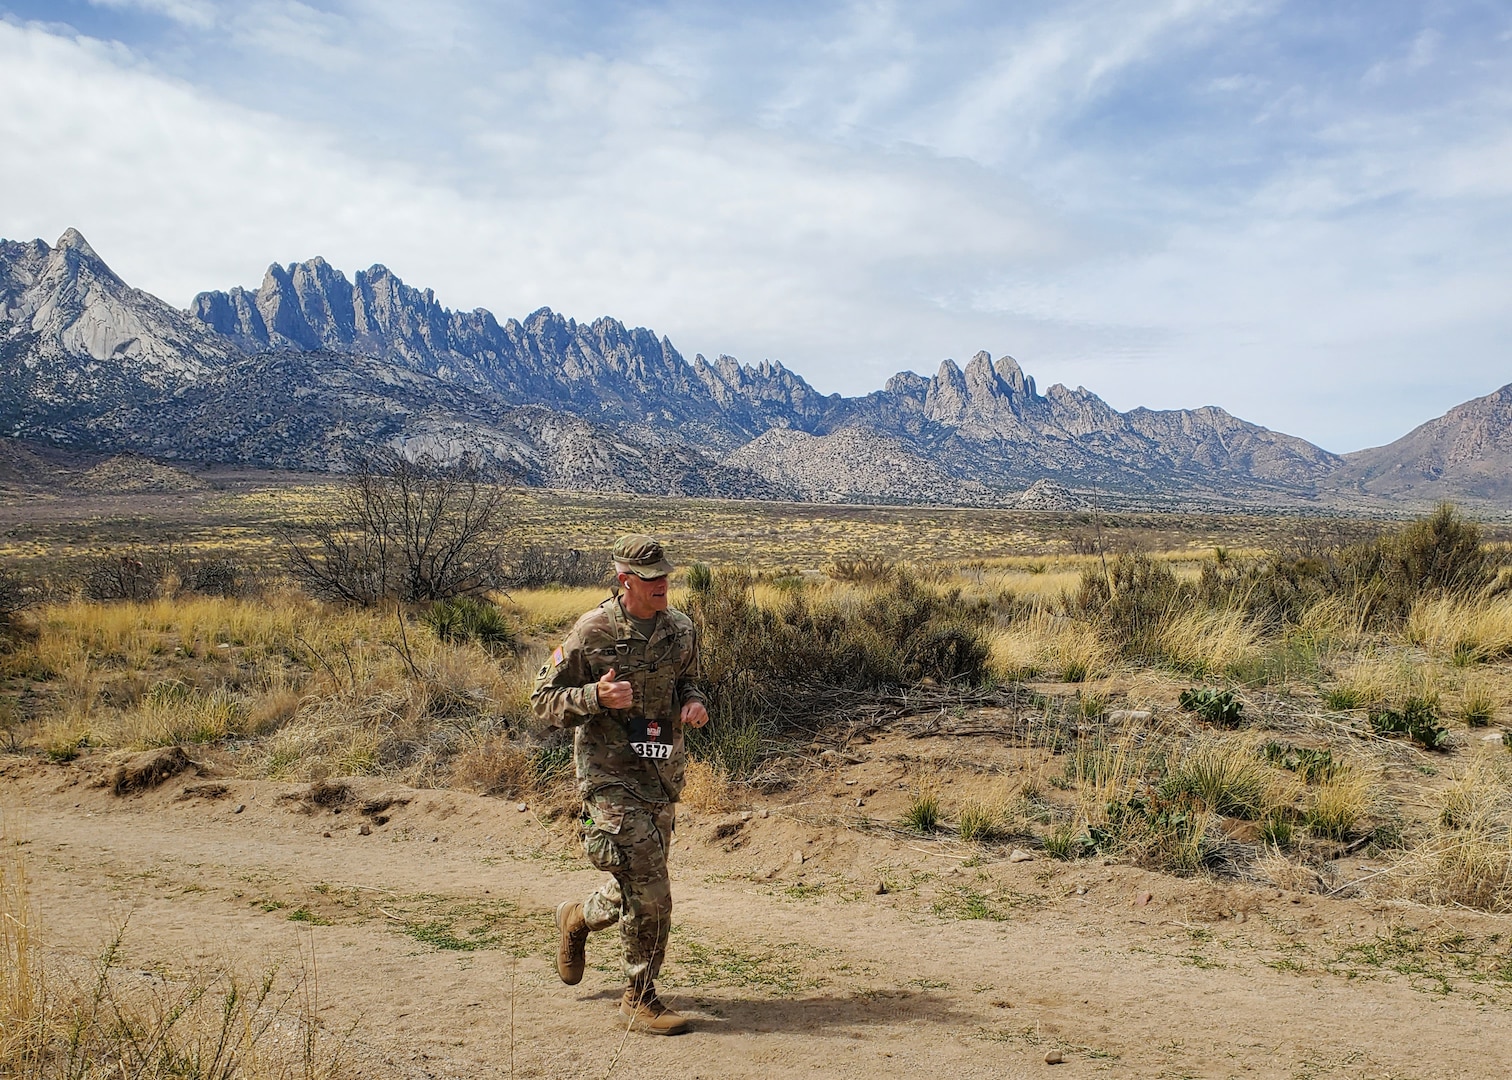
pixel 634 610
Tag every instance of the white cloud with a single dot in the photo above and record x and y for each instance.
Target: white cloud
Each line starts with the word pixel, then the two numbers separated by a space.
pixel 852 188
pixel 721 239
pixel 195 13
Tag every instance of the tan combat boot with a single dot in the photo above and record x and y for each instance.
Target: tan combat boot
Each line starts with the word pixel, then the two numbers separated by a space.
pixel 574 931
pixel 645 1012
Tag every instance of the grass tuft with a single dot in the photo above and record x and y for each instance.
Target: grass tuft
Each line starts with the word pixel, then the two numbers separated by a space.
pixel 1337 807
pixel 923 813
pixel 980 821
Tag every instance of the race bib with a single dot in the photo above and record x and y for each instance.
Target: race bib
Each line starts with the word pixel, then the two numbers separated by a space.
pixel 646 739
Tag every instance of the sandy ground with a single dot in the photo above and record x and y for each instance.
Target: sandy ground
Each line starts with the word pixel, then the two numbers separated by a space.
pixel 784 952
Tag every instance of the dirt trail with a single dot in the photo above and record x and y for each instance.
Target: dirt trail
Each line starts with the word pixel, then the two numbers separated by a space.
pixel 789 967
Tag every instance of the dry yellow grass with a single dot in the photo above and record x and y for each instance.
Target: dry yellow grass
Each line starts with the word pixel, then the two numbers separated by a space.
pixel 1225 774
pixel 1049 644
pixel 542 611
pixel 707 789
pixel 495 766
pixel 324 691
pixel 299 690
pixel 1044 587
pixel 1466 631
pixel 1467 859
pixel 1337 807
pixel 1287 873
pixel 113 1025
pixel 1113 783
pixel 1335 621
pixel 1385 677
pixel 21 998
pixel 1209 642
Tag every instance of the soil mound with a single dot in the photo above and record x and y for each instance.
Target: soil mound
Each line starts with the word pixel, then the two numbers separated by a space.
pixel 131 473
pixel 149 769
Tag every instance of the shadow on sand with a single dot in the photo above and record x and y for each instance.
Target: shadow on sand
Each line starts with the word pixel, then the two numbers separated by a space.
pixel 715 1014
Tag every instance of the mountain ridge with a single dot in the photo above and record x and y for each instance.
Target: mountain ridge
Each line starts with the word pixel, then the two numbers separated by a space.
pixel 612 373
pixel 87 360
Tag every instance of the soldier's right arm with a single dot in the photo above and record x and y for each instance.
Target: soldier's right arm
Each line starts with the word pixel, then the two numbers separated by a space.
pixel 566 690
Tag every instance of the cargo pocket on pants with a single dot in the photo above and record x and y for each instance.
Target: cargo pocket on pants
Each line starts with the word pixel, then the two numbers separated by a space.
pixel 602 851
pixel 599 842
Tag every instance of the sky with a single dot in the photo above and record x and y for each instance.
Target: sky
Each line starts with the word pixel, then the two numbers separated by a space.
pixel 1298 211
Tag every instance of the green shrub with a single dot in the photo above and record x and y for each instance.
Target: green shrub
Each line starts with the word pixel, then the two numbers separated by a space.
pixel 736 745
pixel 867 570
pixel 1380 578
pixel 787 667
pixel 1342 699
pixel 1439 553
pixel 1224 778
pixel 1337 807
pixel 1315 766
pixel 700 578
pixel 1130 601
pixel 467 618
pixel 1065 843
pixel 1215 706
pixel 1311 766
pixel 552 760
pixel 1478 707
pixel 1276 830
pixel 1417 719
pixel 1155 830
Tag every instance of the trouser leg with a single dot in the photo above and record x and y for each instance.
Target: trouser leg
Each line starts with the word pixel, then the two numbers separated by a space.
pixel 639 896
pixel 602 908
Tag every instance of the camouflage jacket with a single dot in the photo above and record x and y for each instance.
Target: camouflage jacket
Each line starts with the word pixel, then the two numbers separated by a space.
pixel 640 748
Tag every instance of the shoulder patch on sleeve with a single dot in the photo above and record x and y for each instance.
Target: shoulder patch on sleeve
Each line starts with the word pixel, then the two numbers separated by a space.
pixel 557 656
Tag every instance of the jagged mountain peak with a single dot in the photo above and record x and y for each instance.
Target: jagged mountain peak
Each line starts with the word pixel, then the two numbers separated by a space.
pixel 73 240
pixel 64 302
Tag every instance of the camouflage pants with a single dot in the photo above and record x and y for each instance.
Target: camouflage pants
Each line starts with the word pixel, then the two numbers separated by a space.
pixel 631 839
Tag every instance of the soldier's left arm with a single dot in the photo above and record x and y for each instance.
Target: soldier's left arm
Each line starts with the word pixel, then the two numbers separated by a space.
pixel 691 670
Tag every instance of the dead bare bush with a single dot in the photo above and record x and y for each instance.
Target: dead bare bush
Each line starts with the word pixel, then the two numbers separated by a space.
pixel 401 530
pixel 538 567
pixel 12 597
pixel 133 576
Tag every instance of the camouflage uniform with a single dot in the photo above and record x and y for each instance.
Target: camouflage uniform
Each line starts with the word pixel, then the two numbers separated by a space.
pixel 630 764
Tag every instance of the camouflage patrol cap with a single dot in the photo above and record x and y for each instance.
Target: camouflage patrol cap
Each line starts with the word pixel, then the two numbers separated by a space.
pixel 638 554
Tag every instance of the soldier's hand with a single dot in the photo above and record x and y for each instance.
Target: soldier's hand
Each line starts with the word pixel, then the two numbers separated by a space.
pixel 694 714
pixel 614 695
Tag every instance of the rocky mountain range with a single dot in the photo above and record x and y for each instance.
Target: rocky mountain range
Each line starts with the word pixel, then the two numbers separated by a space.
pixel 1466 454
pixel 310 366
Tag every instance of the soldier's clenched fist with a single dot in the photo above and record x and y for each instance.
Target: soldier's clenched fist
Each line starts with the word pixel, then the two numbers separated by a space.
pixel 694 714
pixel 614 695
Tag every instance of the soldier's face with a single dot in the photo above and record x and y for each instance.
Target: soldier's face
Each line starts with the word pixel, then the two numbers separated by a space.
pixel 643 597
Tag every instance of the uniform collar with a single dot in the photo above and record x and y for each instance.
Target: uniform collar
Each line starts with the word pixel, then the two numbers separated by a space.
pixel 625 624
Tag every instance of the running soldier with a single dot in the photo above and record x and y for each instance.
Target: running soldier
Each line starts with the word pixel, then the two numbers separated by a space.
pixel 624 679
